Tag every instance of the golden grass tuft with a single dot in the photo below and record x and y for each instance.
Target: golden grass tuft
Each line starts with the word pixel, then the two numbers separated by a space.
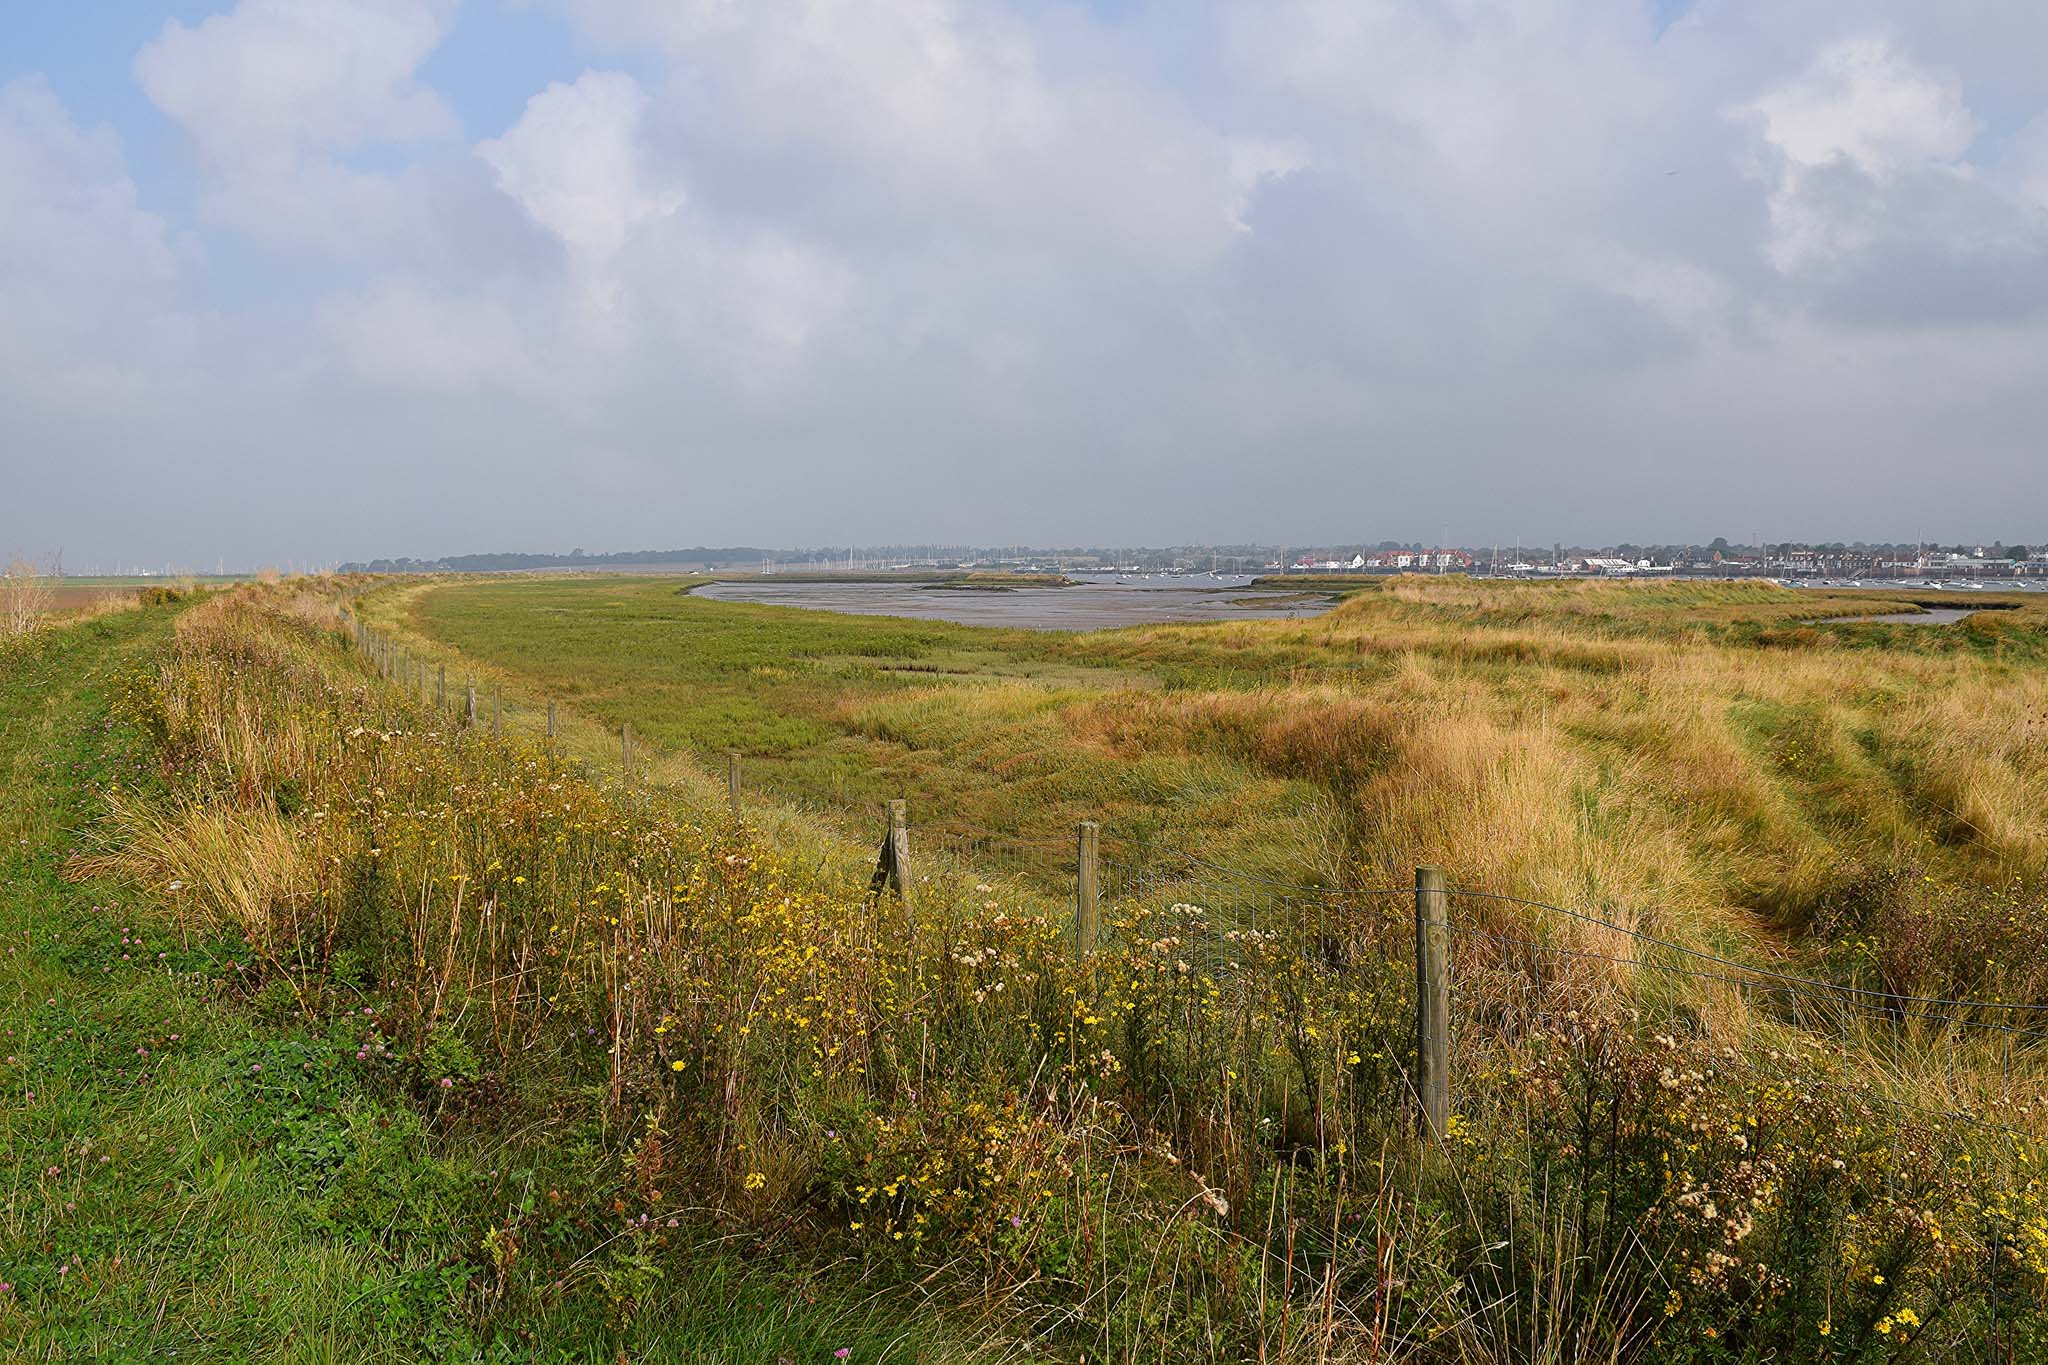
pixel 219 868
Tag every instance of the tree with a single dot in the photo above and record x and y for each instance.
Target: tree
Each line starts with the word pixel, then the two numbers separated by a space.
pixel 2016 552
pixel 25 598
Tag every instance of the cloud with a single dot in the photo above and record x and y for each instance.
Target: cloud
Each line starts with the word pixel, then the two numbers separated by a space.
pixel 573 162
pixel 406 335
pixel 1860 119
pixel 263 87
pixel 1876 208
pixel 90 280
pixel 1865 103
pixel 736 299
pixel 275 93
pixel 1299 269
pixel 913 120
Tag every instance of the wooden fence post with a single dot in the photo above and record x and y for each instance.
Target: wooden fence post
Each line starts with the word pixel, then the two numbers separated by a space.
pixel 732 780
pixel 497 711
pixel 899 845
pixel 1087 902
pixel 441 686
pixel 469 705
pixel 1433 1000
pixel 551 721
pixel 626 752
pixel 892 864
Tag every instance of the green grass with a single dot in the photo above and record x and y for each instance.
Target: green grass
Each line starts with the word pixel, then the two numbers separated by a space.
pixel 188 1175
pixel 1706 756
pixel 166 1225
pixel 843 713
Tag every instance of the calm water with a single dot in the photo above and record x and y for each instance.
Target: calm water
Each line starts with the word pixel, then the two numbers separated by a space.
pixel 1933 616
pixel 1089 605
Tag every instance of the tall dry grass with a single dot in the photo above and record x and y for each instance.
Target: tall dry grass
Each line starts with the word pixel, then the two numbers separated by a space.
pixel 26 598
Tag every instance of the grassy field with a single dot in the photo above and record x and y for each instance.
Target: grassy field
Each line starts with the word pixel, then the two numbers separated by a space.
pixel 837 713
pixel 461 1049
pixel 1702 759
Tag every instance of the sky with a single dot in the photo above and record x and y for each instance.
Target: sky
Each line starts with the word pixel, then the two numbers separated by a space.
pixel 298 281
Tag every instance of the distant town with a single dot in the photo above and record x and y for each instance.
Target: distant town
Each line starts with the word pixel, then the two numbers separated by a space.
pixel 1716 559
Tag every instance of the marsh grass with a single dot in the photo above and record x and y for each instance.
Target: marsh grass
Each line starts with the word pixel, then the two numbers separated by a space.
pixel 1193 1146
pixel 1699 759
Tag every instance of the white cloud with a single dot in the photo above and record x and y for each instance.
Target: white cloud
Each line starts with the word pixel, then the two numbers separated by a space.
pixel 1865 102
pixel 1862 117
pixel 264 86
pixel 574 162
pixel 89 281
pixel 920 117
pixel 274 92
pixel 736 299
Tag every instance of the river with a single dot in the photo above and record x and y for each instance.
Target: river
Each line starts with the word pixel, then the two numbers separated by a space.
pixel 1092 603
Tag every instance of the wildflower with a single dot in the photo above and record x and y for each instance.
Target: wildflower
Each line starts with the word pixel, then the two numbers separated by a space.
pixel 755 1180
pixel 677 1065
pixel 842 1353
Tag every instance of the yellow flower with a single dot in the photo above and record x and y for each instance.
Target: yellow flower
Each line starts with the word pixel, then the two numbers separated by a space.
pixel 677 1065
pixel 755 1180
pixel 1827 1327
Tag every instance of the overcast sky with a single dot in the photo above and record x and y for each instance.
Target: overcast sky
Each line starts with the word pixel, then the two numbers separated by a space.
pixel 320 279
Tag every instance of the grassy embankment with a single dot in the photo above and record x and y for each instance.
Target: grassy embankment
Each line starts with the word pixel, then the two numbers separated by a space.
pixel 203 1162
pixel 1190 1147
